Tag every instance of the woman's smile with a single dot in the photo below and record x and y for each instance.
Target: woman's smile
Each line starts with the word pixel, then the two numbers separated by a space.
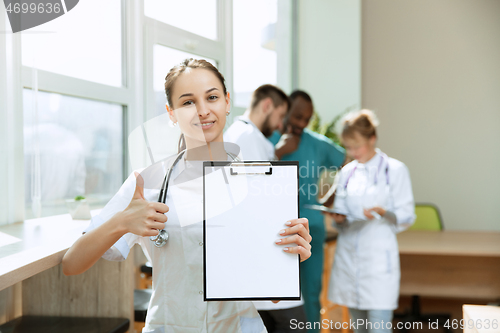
pixel 205 125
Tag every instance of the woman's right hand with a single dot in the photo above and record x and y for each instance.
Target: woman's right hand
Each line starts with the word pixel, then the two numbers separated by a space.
pixel 338 218
pixel 141 217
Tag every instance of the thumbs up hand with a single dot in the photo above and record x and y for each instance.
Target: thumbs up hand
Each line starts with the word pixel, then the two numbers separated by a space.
pixel 141 217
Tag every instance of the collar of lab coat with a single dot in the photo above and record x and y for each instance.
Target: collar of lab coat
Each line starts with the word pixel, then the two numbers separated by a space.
pixel 372 162
pixel 246 119
pixel 183 165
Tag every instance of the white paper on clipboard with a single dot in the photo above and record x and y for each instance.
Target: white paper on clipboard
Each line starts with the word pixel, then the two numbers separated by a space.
pixel 245 207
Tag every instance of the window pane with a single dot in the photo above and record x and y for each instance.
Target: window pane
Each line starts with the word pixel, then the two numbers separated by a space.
pixel 84 43
pixel 164 59
pixel 253 47
pixel 81 150
pixel 196 16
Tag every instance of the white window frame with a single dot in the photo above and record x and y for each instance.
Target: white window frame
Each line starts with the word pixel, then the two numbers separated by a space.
pixel 286 55
pixel 11 126
pixel 139 35
pixel 157 32
pixel 19 77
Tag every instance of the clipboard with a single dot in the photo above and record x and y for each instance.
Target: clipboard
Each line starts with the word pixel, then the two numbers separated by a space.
pixel 245 205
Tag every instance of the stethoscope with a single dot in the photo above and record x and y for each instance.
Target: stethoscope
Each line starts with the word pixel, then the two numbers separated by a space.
pixel 383 157
pixel 162 237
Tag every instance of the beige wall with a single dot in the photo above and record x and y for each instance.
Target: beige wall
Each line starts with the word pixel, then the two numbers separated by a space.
pixel 431 71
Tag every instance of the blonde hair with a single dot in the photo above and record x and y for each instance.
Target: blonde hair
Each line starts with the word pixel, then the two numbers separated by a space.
pixel 364 122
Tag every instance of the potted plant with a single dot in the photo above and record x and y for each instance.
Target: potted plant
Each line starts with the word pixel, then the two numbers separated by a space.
pixel 79 208
pixel 329 129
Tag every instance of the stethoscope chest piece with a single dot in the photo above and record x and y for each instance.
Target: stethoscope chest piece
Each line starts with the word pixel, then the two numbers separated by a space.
pixel 160 239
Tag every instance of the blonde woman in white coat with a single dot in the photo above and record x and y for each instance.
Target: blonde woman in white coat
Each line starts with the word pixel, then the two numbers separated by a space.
pixel 373 202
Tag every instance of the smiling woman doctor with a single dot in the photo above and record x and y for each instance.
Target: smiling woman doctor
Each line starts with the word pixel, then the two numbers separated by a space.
pixel 199 103
pixel 373 202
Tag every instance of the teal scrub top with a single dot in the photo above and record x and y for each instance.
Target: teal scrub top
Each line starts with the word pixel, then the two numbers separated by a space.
pixel 315 153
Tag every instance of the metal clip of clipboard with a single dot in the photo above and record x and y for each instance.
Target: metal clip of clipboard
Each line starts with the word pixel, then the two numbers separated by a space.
pixel 256 164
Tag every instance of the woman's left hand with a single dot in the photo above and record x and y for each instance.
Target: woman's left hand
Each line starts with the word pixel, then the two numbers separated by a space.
pixel 298 233
pixel 379 210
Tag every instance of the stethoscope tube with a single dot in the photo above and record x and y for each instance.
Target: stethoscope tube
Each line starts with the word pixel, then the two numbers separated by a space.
pixel 382 158
pixel 162 237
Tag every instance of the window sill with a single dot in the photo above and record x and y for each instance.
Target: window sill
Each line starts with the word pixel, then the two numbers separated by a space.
pixel 30 247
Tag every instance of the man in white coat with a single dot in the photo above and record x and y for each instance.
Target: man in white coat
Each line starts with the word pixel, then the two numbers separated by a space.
pixel 268 108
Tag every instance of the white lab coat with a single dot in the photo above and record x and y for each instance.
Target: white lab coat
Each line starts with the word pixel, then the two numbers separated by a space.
pixel 366 270
pixel 177 301
pixel 254 146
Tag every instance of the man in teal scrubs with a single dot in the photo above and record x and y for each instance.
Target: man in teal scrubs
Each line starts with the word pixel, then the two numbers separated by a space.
pixel 315 153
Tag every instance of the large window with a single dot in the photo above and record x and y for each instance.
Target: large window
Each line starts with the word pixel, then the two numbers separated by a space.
pixel 85 43
pixel 254 47
pixel 78 88
pixel 72 147
pixel 74 108
pixel 196 16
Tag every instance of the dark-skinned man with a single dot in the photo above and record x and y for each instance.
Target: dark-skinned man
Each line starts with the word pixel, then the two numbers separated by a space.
pixel 315 154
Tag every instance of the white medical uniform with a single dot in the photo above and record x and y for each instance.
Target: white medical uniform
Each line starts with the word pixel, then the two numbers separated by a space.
pixel 177 301
pixel 366 269
pixel 254 146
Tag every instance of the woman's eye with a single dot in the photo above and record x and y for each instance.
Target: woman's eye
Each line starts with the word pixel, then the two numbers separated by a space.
pixel 188 103
pixel 212 98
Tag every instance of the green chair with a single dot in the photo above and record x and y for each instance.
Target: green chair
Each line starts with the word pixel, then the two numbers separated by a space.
pixel 428 218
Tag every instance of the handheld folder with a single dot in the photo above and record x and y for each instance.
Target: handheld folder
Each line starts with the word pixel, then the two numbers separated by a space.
pixel 246 204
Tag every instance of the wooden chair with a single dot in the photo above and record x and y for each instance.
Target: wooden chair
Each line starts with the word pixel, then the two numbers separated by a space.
pixel 145 278
pixel 142 295
pixel 327 307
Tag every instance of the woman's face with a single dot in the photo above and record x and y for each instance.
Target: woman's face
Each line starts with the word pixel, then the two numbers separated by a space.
pixel 199 106
pixel 359 148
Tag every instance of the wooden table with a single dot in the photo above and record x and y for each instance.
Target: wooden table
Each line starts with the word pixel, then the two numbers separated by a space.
pixel 32 282
pixel 34 246
pixel 451 264
pixel 481 319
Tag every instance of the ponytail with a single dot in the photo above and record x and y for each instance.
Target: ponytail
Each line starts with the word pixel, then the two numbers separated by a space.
pixel 363 122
